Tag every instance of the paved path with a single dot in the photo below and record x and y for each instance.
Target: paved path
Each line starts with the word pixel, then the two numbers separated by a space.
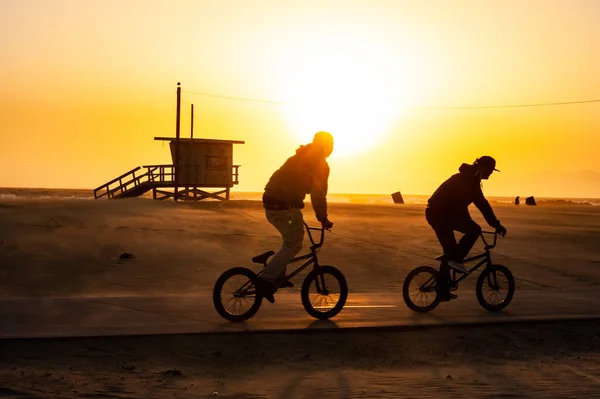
pixel 95 316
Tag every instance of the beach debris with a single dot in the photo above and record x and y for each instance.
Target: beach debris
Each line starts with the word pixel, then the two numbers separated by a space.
pixel 530 201
pixel 449 377
pixel 127 367
pixel 125 255
pixel 215 393
pixel 173 373
pixel 397 197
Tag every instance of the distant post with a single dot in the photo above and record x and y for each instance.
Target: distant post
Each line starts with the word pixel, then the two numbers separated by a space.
pixel 192 129
pixel 177 124
pixel 397 197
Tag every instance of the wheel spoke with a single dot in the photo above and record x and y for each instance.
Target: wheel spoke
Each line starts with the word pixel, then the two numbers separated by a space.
pixel 496 288
pixel 236 295
pixel 324 283
pixel 422 289
pixel 419 289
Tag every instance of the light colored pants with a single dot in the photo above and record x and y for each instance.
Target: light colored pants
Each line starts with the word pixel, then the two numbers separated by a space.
pixel 290 224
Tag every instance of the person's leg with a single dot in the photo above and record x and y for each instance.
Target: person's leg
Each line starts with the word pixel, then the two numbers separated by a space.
pixel 444 232
pixel 291 226
pixel 471 232
pixel 448 242
pixel 445 236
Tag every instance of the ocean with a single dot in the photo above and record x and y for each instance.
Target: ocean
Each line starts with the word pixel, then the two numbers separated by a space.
pixel 7 193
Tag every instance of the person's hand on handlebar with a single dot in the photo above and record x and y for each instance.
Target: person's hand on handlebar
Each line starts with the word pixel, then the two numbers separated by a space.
pixel 501 230
pixel 326 224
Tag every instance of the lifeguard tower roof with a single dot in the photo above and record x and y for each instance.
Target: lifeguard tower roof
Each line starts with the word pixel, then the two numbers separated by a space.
pixel 213 141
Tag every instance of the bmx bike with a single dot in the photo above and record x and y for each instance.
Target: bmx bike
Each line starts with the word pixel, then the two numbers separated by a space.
pixel 323 293
pixel 494 289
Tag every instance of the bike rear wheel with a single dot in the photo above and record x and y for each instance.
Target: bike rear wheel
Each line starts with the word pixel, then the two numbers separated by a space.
pixel 324 292
pixel 234 294
pixel 495 288
pixel 419 289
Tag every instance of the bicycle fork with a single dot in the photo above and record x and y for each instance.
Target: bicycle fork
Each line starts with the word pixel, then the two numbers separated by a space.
pixel 492 280
pixel 320 278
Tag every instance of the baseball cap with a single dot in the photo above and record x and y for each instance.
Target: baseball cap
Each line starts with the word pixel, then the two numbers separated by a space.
pixel 488 161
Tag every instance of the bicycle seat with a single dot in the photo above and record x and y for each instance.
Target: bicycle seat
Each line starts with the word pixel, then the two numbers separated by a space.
pixel 440 257
pixel 262 258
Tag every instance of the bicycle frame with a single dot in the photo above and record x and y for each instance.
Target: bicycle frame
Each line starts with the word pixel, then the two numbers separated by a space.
pixel 486 259
pixel 312 256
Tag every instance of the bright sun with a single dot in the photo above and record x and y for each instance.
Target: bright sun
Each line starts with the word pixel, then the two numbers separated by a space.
pixel 348 91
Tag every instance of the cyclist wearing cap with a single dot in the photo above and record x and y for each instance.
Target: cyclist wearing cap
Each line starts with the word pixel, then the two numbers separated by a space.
pixel 307 172
pixel 447 211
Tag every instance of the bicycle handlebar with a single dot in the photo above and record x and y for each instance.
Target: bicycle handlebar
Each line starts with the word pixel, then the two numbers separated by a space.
pixel 308 229
pixel 495 233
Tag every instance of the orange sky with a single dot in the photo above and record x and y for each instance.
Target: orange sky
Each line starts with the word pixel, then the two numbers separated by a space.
pixel 86 86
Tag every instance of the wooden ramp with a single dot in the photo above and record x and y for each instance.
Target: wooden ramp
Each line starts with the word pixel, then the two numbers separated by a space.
pixel 160 179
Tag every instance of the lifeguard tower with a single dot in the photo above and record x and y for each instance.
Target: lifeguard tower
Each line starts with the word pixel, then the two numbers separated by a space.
pixel 198 165
pixel 203 164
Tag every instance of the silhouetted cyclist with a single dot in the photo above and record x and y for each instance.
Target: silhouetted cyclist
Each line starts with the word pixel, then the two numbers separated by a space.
pixel 447 211
pixel 307 172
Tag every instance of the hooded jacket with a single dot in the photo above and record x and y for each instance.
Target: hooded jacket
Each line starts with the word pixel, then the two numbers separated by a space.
pixel 307 172
pixel 461 190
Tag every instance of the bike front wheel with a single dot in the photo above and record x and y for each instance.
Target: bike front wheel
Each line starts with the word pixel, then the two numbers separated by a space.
pixel 419 289
pixel 324 292
pixel 234 294
pixel 495 288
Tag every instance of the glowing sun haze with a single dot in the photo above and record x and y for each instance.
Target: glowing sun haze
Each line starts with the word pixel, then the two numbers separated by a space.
pixel 87 85
pixel 345 84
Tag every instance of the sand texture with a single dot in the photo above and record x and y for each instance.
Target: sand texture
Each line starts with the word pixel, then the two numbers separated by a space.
pixel 71 248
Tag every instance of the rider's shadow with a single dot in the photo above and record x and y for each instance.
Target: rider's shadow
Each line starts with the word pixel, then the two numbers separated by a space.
pixel 336 385
pixel 426 319
pixel 322 324
pixel 431 319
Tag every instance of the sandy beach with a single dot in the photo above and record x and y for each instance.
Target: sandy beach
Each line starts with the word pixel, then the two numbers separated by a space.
pixel 71 248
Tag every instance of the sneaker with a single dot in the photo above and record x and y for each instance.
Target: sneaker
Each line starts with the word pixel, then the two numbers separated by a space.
pixel 282 283
pixel 266 289
pixel 458 266
pixel 448 298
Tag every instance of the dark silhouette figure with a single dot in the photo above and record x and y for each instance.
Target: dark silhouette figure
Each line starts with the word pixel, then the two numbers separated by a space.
pixel 517 200
pixel 447 211
pixel 307 172
pixel 530 201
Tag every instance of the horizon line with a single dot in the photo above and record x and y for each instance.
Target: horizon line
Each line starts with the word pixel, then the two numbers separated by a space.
pixel 331 193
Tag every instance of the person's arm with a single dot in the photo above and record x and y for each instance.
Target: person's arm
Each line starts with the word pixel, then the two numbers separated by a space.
pixel 485 208
pixel 318 192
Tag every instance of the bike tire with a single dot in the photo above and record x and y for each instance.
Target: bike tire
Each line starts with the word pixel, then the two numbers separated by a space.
pixel 489 278
pixel 427 286
pixel 314 280
pixel 243 292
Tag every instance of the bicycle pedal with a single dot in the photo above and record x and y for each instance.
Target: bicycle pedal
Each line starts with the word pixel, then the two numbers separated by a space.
pixel 448 298
pixel 287 284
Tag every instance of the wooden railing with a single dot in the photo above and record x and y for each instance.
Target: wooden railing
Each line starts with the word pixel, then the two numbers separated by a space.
pixel 157 174
pixel 122 185
pixel 160 173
